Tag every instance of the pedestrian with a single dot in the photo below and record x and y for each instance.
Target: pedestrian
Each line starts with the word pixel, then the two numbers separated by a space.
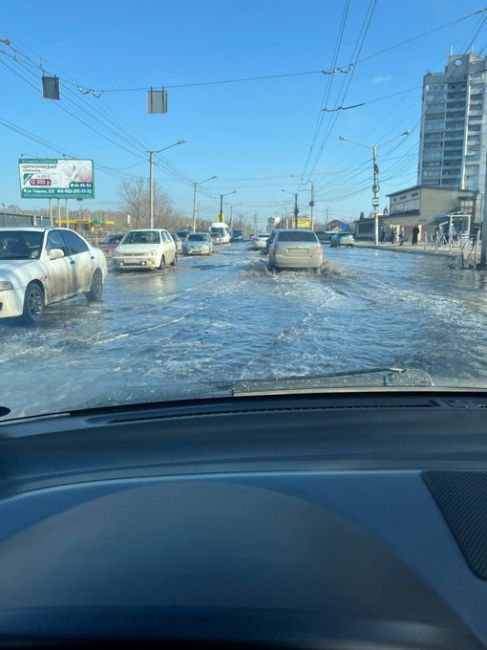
pixel 382 235
pixel 402 238
pixel 415 235
pixel 393 234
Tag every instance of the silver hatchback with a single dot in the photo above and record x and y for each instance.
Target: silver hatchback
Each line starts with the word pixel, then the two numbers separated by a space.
pixel 295 249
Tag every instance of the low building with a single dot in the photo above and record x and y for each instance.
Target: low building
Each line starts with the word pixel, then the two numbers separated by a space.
pixel 422 206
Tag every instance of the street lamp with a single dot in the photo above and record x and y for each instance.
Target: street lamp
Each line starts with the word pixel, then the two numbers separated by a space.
pixel 296 210
pixel 151 153
pixel 220 216
pixel 375 185
pixel 195 187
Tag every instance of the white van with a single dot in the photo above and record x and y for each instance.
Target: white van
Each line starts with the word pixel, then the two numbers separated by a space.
pixel 221 230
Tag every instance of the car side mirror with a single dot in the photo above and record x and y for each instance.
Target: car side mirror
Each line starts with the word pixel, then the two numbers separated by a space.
pixel 55 253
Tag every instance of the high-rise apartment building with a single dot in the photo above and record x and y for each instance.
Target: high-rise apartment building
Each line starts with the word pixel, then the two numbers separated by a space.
pixel 454 125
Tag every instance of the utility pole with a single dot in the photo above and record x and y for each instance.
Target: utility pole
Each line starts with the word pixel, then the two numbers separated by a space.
pixel 296 210
pixel 195 185
pixel 220 214
pixel 151 189
pixel 375 197
pixel 375 182
pixel 312 204
pixel 51 221
pixel 255 222
pixel 195 188
pixel 151 153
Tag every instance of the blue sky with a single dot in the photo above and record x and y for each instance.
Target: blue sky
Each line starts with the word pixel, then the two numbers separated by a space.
pixel 255 135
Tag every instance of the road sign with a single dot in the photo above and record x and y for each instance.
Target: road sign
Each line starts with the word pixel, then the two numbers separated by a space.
pixel 51 178
pixel 375 188
pixel 375 202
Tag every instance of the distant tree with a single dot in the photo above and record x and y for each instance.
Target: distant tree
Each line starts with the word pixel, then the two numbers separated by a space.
pixel 134 194
pixel 362 215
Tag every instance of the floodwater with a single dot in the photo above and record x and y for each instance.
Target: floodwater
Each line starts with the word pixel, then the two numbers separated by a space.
pixel 225 318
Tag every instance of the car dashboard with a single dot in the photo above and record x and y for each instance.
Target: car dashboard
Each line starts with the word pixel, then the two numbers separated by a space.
pixel 305 521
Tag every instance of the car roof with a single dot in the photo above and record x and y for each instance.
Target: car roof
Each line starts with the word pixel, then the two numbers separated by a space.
pixel 26 228
pixel 36 228
pixel 146 229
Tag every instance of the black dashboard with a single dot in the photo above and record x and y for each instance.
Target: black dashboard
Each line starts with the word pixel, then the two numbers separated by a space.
pixel 330 521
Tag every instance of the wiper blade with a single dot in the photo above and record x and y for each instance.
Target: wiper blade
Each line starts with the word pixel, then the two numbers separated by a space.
pixel 363 378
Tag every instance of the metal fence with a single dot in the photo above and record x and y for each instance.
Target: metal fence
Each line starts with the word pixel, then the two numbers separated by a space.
pixel 19 220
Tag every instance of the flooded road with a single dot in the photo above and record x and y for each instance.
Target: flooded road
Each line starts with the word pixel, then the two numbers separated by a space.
pixel 226 318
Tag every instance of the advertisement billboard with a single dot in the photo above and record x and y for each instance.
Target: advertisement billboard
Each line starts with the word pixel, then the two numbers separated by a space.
pixel 304 222
pixel 51 178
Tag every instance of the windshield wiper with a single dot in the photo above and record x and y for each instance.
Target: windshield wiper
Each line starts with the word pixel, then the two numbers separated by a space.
pixel 366 377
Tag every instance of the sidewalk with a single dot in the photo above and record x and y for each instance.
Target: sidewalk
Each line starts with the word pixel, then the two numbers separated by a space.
pixel 407 247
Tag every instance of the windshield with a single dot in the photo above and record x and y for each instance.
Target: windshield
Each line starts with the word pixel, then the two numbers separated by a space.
pixel 20 245
pixel 297 236
pixel 252 127
pixel 142 237
pixel 197 237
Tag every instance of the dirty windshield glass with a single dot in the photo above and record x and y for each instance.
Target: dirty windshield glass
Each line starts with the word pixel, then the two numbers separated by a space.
pixel 17 245
pixel 297 236
pixel 142 237
pixel 362 122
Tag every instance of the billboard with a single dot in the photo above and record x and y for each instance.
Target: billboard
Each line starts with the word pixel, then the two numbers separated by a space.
pixel 304 222
pixel 51 178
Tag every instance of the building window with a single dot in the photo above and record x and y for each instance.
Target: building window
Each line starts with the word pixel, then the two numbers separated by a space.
pixel 432 155
pixel 434 125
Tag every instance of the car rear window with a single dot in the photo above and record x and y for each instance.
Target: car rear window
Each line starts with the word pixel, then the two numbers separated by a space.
pixel 197 238
pixel 142 237
pixel 304 236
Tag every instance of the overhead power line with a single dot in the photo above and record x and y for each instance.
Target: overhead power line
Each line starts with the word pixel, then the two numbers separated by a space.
pixel 336 69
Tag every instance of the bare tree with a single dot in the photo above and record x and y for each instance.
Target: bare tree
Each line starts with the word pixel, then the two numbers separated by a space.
pixel 134 194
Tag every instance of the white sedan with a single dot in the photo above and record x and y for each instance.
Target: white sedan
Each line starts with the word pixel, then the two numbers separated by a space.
pixel 148 248
pixel 40 266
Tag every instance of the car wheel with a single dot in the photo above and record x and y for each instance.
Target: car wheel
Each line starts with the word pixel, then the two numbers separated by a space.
pixel 175 260
pixel 33 303
pixel 162 264
pixel 96 290
pixel 318 271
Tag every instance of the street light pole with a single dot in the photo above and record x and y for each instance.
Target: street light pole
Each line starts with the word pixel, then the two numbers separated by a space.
pixel 220 215
pixel 312 204
pixel 151 153
pixel 296 209
pixel 375 176
pixel 195 188
pixel 151 189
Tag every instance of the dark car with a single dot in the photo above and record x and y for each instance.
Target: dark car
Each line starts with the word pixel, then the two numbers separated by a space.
pixel 324 236
pixel 342 239
pixel 111 242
